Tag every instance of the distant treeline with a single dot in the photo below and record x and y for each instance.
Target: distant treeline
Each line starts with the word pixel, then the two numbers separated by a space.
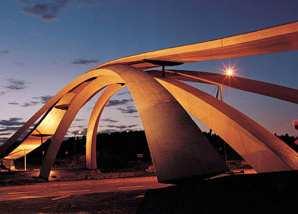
pixel 121 150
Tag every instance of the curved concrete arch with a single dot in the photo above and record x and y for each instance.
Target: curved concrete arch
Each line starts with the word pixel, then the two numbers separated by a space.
pixel 263 41
pixel 178 155
pixel 79 100
pixel 261 149
pixel 45 127
pixel 93 124
pixel 241 83
pixel 177 147
pixel 14 141
pixel 175 154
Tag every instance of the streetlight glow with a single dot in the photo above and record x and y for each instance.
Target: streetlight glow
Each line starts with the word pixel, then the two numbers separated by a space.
pixel 229 70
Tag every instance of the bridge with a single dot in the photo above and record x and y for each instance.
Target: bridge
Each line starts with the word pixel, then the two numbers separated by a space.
pixel 178 148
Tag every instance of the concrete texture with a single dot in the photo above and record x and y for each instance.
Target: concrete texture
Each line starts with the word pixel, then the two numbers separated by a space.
pixel 23 132
pixel 261 149
pixel 177 146
pixel 269 40
pixel 105 78
pixel 93 124
pixel 241 83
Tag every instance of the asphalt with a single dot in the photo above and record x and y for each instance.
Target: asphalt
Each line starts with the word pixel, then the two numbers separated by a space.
pixel 65 189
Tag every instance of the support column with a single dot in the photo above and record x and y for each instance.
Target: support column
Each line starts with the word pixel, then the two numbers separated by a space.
pixel 178 148
pixel 110 90
pixel 76 104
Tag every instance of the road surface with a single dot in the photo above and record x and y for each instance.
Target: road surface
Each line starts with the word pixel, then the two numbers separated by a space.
pixel 59 190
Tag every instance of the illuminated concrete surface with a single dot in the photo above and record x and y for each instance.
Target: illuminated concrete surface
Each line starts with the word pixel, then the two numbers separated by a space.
pixel 269 40
pixel 176 144
pixel 175 154
pixel 261 149
pixel 172 159
pixel 105 78
pixel 241 83
pixel 93 124
pixel 22 133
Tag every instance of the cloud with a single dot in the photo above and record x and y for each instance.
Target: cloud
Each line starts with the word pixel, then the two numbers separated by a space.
pixel 134 116
pixel 9 128
pixel 15 84
pixel 2 139
pixel 77 126
pixel 35 101
pixel 118 102
pixel 109 130
pixel 121 127
pixel 5 133
pixel 42 99
pixel 28 104
pixel 13 103
pixel 10 125
pixel 128 110
pixel 84 61
pixel 109 120
pixel 4 52
pixel 47 10
pixel 123 93
pixel 118 128
pixel 79 132
pixel 13 121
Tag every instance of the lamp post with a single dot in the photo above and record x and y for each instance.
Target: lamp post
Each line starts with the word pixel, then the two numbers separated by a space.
pixel 229 72
pixel 25 160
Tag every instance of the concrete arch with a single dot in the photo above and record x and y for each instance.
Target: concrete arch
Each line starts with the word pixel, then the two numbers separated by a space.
pixel 93 124
pixel 175 154
pixel 78 102
pixel 261 149
pixel 24 132
pixel 172 158
pixel 241 83
pixel 162 115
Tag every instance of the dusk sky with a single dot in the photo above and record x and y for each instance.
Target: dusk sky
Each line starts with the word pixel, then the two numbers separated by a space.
pixel 44 44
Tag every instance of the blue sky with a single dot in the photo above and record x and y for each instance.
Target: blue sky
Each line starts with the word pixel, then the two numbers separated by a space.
pixel 45 44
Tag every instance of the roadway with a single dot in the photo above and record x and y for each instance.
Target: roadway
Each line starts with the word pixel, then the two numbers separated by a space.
pixel 65 189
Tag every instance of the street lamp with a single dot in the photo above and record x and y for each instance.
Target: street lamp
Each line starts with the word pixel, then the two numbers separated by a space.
pixel 229 70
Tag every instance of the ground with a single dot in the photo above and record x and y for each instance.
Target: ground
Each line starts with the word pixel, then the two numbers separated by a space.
pixel 247 193
pixel 104 203
pixel 118 195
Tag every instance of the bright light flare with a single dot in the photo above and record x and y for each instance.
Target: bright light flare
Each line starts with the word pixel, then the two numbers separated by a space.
pixel 229 70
